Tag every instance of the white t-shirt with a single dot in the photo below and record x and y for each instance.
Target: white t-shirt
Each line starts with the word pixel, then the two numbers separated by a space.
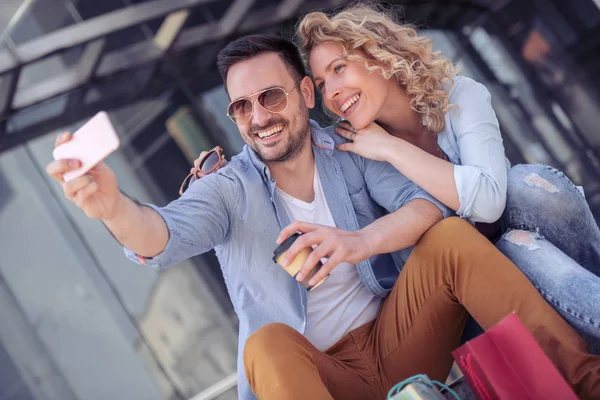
pixel 342 303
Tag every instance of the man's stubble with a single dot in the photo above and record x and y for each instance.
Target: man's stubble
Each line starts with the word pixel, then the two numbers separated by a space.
pixel 296 140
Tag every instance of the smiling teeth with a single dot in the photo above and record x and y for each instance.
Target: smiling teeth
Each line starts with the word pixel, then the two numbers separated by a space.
pixel 347 104
pixel 270 132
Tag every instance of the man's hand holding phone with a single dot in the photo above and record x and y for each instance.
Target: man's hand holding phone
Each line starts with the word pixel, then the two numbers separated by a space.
pixel 84 177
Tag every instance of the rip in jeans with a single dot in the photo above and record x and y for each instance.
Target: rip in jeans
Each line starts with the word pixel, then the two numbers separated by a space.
pixel 523 238
pixel 535 181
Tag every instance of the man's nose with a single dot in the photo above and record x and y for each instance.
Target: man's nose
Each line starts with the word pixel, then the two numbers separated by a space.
pixel 260 116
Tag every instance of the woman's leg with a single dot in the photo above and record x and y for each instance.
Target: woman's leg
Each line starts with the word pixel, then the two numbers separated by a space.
pixel 573 291
pixel 454 269
pixel 542 199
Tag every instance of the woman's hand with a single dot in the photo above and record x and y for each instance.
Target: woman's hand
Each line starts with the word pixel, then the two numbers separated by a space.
pixel 370 142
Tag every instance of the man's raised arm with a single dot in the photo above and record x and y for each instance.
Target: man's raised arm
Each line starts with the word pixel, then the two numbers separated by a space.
pixel 165 236
pixel 97 194
pixel 139 228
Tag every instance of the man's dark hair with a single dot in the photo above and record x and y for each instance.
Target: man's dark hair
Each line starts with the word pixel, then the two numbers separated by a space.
pixel 247 47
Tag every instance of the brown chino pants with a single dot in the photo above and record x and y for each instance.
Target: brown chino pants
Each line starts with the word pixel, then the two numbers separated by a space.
pixel 452 270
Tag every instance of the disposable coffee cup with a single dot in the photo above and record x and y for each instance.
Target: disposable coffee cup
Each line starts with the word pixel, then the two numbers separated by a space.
pixel 294 267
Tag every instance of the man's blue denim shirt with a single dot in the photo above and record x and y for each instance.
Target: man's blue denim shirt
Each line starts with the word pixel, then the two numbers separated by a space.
pixel 236 212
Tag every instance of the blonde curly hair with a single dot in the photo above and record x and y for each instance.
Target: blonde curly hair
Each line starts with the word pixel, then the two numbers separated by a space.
pixel 396 49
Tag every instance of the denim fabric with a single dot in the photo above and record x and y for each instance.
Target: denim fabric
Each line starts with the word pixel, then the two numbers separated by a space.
pixel 561 253
pixel 472 141
pixel 236 212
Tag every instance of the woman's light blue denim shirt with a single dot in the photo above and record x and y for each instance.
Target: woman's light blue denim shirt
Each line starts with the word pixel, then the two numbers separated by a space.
pixel 472 142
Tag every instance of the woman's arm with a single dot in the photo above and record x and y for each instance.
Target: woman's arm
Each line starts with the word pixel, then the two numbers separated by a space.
pixel 476 189
pixel 481 177
pixel 431 173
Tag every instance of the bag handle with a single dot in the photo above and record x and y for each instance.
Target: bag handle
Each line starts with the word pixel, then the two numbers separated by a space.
pixel 421 378
pixel 479 386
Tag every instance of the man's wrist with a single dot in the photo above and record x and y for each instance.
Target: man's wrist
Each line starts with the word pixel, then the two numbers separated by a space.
pixel 371 241
pixel 118 210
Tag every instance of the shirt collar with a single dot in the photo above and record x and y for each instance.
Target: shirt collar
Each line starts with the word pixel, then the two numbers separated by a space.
pixel 321 139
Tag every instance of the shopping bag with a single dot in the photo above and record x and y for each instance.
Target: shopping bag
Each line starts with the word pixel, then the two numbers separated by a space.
pixel 506 363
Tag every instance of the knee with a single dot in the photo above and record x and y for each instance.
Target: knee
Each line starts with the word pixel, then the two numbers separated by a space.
pixel 267 343
pixel 451 232
pixel 536 192
pixel 449 227
pixel 268 353
pixel 522 239
pixel 528 183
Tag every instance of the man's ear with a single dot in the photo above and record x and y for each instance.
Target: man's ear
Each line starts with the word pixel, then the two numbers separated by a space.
pixel 307 88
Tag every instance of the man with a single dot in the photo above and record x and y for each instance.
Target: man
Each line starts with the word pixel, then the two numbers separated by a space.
pixel 306 345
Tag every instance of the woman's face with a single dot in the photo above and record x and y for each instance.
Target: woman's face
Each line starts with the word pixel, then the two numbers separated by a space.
pixel 348 89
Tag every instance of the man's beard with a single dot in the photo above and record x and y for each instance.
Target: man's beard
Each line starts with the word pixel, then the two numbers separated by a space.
pixel 296 140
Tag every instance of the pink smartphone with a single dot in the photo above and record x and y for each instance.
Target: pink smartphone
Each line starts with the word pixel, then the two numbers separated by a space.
pixel 91 144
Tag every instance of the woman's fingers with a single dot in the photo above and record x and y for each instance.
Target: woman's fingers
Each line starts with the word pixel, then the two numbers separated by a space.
pixel 344 133
pixel 345 147
pixel 346 125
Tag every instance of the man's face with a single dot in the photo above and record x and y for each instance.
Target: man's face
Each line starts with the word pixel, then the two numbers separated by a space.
pixel 273 136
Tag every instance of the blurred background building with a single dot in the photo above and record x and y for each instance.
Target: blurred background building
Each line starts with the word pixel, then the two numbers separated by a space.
pixel 80 322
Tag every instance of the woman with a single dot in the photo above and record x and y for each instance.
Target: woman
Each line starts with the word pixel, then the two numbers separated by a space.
pixel 406 105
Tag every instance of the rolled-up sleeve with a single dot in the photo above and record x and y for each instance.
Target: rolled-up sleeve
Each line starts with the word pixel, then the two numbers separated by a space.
pixel 197 222
pixel 392 190
pixel 481 177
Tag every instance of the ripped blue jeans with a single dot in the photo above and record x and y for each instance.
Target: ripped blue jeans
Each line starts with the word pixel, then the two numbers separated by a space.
pixel 550 234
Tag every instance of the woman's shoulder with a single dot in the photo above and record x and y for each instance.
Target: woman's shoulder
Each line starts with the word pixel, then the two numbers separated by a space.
pixel 468 98
pixel 463 88
pixel 471 102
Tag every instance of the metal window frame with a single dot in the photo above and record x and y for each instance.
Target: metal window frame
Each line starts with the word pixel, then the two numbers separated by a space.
pixel 172 40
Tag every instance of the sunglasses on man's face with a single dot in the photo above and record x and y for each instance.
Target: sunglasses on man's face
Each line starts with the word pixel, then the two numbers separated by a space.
pixel 274 100
pixel 209 163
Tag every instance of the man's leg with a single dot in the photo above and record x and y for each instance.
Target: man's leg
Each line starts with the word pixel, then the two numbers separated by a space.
pixel 280 363
pixel 454 269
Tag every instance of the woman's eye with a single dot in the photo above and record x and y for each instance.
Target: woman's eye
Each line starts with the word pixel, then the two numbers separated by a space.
pixel 338 68
pixel 321 85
